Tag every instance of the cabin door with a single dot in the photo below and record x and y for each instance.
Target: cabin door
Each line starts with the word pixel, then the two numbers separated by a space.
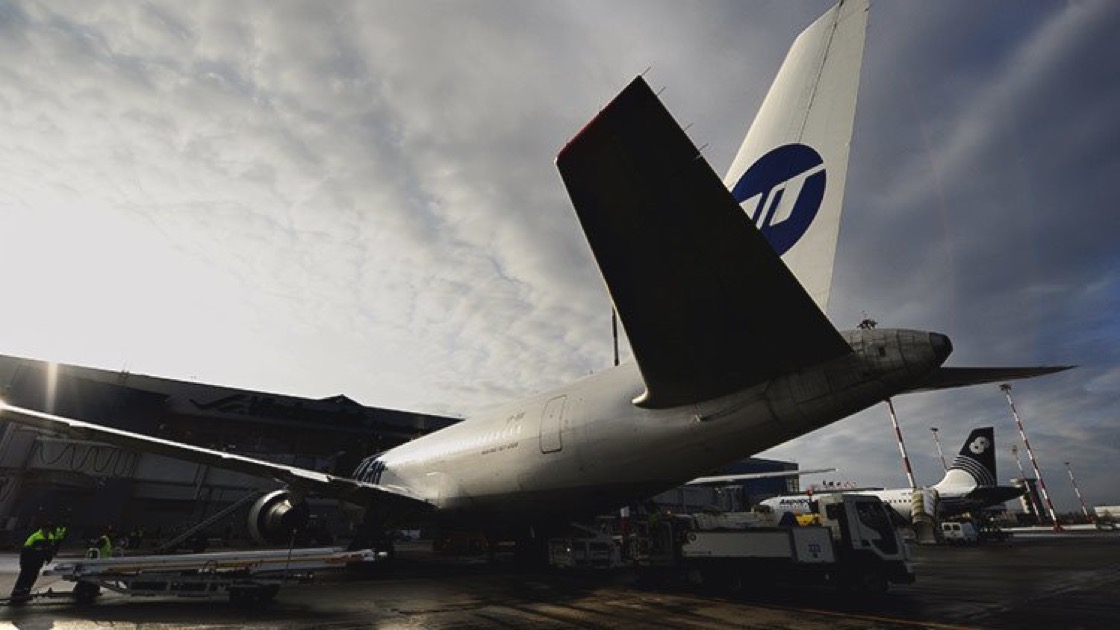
pixel 551 422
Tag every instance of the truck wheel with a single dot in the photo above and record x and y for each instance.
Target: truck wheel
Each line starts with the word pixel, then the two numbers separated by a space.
pixel 268 592
pixel 722 580
pixel 244 595
pixel 874 584
pixel 710 579
pixel 252 594
pixel 734 583
pixel 85 593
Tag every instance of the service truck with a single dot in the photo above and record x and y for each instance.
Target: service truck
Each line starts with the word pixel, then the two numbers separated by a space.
pixel 854 547
pixel 1107 516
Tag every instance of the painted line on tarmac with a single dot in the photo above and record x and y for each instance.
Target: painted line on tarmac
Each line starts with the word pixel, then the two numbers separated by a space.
pixel 872 618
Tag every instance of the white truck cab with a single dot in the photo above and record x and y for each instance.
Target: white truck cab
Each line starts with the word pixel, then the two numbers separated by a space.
pixel 963 533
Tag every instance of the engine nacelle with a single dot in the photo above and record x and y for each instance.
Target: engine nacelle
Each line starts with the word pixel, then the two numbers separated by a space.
pixel 923 515
pixel 274 516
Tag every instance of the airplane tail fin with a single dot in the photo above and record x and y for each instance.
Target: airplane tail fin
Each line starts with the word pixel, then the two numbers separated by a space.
pixel 789 173
pixel 975 466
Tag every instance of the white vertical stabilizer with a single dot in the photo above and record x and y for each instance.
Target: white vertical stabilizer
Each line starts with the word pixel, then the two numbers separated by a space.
pixel 789 173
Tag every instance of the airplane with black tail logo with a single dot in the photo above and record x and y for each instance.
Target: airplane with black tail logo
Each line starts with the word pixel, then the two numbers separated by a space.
pixel 969 484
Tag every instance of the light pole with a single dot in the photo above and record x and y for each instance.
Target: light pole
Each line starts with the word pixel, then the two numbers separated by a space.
pixel 940 454
pixel 1030 454
pixel 1023 475
pixel 1077 491
pixel 901 445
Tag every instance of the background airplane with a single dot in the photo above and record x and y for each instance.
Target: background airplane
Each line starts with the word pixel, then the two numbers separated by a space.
pixel 969 484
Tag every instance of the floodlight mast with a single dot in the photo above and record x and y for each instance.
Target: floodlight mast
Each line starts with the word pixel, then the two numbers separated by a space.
pixel 901 445
pixel 940 453
pixel 1034 506
pixel 1006 388
pixel 1077 491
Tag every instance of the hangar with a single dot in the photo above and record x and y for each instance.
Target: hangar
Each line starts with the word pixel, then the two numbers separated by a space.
pixel 93 485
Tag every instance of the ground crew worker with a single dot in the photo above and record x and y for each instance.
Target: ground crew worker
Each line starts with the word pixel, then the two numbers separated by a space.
pixel 135 538
pixel 36 551
pixel 105 543
pixel 57 536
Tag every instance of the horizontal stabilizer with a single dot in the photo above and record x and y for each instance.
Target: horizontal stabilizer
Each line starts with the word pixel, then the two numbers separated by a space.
pixel 950 377
pixel 708 306
pixel 994 495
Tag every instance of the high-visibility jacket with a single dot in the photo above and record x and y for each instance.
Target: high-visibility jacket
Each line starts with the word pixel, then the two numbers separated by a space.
pixel 58 534
pixel 105 546
pixel 38 539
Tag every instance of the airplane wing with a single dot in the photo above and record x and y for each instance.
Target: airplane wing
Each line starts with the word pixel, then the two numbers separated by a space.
pixel 700 481
pixel 708 306
pixel 950 377
pixel 342 488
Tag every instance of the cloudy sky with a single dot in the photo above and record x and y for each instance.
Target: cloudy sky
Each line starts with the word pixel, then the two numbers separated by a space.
pixel 316 198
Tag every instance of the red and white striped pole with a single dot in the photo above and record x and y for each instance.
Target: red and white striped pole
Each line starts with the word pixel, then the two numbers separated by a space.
pixel 1030 455
pixel 1077 491
pixel 940 453
pixel 1030 492
pixel 901 446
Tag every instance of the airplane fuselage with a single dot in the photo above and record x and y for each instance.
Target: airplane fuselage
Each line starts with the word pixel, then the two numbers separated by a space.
pixel 950 501
pixel 588 446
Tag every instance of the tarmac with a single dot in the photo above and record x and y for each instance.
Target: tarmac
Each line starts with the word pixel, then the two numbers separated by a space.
pixel 1038 579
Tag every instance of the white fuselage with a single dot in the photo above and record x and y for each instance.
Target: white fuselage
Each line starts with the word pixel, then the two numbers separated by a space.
pixel 947 499
pixel 588 447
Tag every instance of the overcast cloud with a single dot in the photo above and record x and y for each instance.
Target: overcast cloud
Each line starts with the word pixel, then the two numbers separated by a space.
pixel 359 197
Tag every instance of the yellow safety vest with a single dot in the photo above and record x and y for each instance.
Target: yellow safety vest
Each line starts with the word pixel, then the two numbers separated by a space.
pixel 37 539
pixel 105 546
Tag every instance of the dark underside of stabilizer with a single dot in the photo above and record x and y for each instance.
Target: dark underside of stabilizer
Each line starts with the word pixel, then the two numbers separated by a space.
pixel 994 495
pixel 708 306
pixel 950 377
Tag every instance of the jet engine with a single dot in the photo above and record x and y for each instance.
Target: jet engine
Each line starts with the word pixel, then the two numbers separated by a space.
pixel 275 515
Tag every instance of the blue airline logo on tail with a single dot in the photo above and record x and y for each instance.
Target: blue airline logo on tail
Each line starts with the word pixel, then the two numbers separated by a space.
pixel 782 193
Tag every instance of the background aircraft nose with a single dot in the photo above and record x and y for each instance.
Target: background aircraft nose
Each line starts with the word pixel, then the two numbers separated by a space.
pixel 942 347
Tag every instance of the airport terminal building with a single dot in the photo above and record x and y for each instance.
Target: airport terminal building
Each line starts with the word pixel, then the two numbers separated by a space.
pixel 92 484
